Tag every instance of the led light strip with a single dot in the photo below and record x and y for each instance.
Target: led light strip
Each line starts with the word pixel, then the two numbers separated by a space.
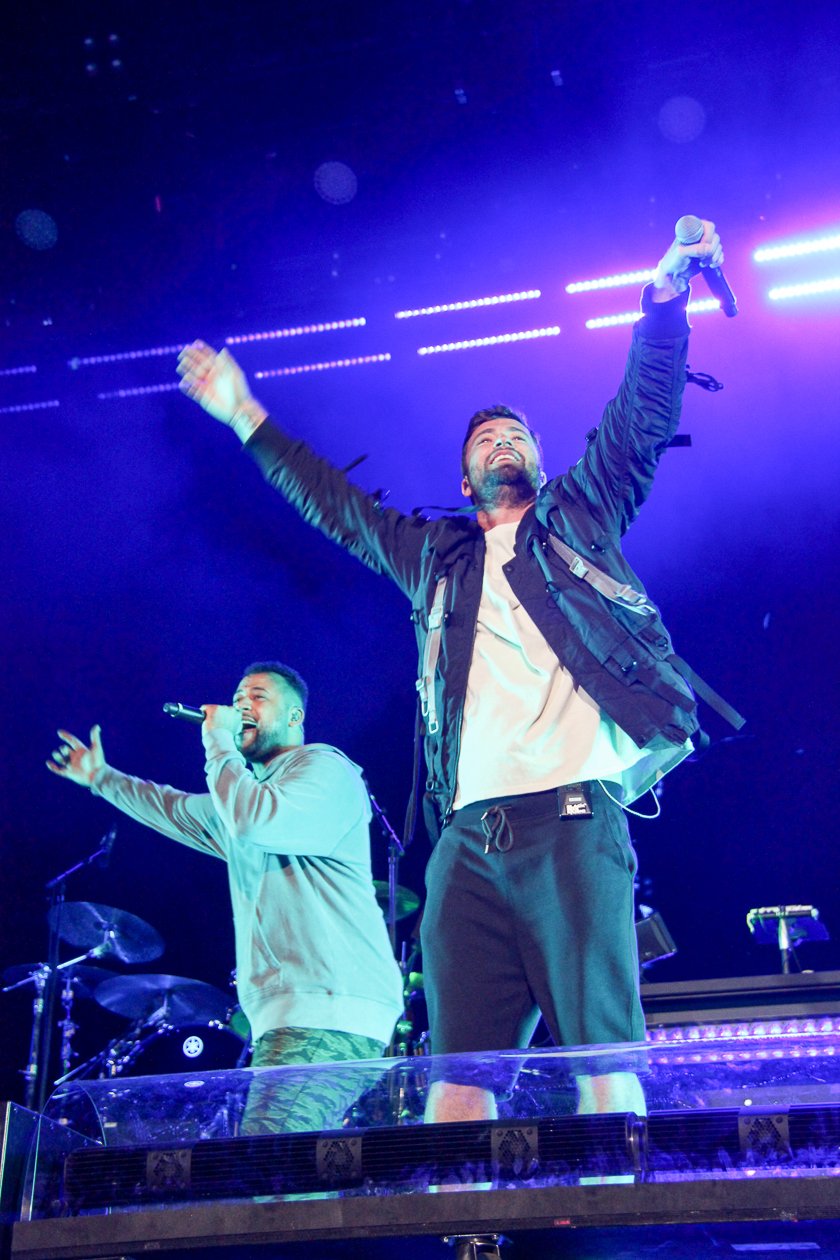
pixel 797 249
pixel 322 367
pixel 527 295
pixel 610 282
pixel 741 1056
pixel 761 1029
pixel 301 330
pixel 19 371
pixel 39 406
pixel 500 340
pixel 96 360
pixel 138 390
pixel 806 289
pixel 630 317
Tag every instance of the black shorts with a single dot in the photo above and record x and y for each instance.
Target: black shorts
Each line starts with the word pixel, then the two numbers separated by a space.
pixel 540 918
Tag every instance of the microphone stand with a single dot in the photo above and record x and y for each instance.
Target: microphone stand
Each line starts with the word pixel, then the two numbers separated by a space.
pixel 30 1074
pixel 395 852
pixel 37 1072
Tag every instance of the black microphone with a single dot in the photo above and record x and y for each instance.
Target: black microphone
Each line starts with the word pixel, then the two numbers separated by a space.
pixel 185 712
pixel 106 844
pixel 688 231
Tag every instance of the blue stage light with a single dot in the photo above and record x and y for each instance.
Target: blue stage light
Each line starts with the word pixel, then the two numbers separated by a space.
pixel 470 304
pixel 300 330
pixel 96 360
pixel 164 388
pixel 36 406
pixel 500 339
pixel 322 367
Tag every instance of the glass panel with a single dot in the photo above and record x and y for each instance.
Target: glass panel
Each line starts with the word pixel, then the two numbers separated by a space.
pixel 729 1101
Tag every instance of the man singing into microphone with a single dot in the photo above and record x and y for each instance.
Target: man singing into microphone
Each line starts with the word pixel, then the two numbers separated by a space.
pixel 550 697
pixel 315 973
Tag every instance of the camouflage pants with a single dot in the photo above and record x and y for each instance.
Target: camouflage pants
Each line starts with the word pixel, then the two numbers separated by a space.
pixel 309 1100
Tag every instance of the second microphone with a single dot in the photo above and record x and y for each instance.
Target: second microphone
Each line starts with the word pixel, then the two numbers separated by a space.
pixel 186 712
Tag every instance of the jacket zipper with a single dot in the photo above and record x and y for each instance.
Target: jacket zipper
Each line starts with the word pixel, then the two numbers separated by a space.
pixel 448 812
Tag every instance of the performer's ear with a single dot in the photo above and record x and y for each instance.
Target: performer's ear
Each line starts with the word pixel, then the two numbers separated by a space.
pixel 296 716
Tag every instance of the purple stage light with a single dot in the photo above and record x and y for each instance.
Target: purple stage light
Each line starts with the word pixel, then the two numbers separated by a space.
pixel 758 1030
pixel 809 288
pixel 322 367
pixel 611 282
pixel 96 360
pixel 18 371
pixel 797 249
pixel 613 321
pixel 299 331
pixel 526 295
pixel 500 339
pixel 630 317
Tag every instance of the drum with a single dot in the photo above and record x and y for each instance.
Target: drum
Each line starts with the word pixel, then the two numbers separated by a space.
pixel 185 1048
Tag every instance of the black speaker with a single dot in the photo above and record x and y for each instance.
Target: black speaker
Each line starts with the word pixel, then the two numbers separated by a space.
pixel 654 939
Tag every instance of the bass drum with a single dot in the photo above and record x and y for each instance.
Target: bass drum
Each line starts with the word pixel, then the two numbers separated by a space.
pixel 186 1048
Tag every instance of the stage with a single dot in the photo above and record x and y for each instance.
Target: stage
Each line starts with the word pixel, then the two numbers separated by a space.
pixel 739 1152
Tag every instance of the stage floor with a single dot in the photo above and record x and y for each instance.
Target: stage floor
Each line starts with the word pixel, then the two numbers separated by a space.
pixel 739 1154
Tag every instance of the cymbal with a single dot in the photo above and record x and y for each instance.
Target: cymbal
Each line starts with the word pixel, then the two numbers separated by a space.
pixel 175 997
pixel 86 979
pixel 87 925
pixel 407 901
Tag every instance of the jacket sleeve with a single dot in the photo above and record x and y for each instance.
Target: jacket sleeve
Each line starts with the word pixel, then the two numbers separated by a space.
pixel 306 810
pixel 616 473
pixel 384 539
pixel 183 816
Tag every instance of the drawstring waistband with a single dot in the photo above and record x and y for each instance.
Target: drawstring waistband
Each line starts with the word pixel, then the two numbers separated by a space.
pixel 497 830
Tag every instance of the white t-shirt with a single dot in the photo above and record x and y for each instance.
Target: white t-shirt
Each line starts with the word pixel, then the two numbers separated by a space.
pixel 526 725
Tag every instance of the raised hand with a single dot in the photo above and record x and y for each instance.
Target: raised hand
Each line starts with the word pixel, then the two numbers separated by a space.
pixel 76 761
pixel 215 381
pixel 681 262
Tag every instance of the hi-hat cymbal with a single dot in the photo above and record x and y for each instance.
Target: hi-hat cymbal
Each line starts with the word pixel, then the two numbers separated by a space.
pixel 87 925
pixel 407 901
pixel 86 979
pixel 177 998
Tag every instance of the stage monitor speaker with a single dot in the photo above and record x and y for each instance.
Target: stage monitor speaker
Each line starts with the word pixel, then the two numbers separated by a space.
pixel 653 939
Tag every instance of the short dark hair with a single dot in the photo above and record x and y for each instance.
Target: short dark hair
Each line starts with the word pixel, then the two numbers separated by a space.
pixel 290 676
pixel 499 411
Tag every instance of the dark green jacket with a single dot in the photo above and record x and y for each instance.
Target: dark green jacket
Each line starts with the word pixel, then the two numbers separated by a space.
pixel 619 657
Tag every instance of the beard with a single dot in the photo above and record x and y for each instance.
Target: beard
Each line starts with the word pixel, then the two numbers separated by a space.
pixel 506 485
pixel 256 745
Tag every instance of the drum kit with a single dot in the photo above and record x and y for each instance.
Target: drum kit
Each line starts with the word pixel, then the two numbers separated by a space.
pixel 176 1024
